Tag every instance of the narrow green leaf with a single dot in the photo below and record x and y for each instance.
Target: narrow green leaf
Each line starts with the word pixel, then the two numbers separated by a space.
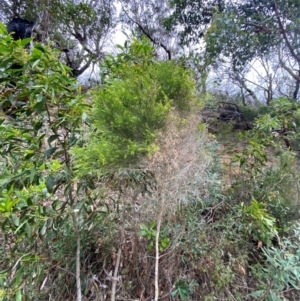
pixel 52 138
pixel 43 230
pixel 28 230
pixel 39 47
pixel 49 152
pixel 18 296
pixel 50 184
pixel 26 41
pixel 144 227
pixel 152 224
pixel 35 63
pixel 16 231
pixel 32 175
pixel 15 219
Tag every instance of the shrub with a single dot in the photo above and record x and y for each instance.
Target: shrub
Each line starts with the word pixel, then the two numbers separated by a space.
pixel 271 188
pixel 137 94
pixel 281 271
pixel 36 179
pixel 250 113
pixel 268 168
pixel 176 83
pixel 258 223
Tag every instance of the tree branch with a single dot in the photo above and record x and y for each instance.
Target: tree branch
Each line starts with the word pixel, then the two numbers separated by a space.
pixel 114 278
pixel 263 28
pixel 290 71
pixel 77 72
pixel 285 37
pixel 244 86
pixel 296 91
pixel 149 36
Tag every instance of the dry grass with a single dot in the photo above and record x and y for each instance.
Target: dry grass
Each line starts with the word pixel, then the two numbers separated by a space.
pixel 180 164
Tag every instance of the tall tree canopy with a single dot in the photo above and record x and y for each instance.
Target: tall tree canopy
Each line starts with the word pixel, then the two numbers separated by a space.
pixel 192 17
pixel 78 28
pixel 250 29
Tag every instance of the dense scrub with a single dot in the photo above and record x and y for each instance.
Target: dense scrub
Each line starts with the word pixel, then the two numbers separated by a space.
pixel 123 194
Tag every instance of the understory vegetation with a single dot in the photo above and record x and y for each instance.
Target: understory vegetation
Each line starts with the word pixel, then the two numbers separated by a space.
pixel 145 186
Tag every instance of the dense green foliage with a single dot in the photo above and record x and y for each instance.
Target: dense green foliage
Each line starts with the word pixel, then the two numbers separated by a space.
pixel 132 190
pixel 35 161
pixel 76 29
pixel 132 105
pixel 263 31
pixel 42 198
pixel 192 17
pixel 252 29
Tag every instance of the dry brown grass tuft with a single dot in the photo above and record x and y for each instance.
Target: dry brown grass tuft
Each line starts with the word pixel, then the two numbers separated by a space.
pixel 180 165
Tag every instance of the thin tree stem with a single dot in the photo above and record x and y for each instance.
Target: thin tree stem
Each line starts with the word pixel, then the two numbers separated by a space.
pixel 115 279
pixel 78 281
pixel 159 218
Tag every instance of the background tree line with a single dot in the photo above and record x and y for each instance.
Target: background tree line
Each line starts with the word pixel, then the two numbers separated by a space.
pixel 229 40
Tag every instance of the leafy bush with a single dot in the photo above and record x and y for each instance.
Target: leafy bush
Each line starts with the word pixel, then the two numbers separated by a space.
pixel 259 224
pixel 267 180
pixel 271 188
pixel 250 113
pixel 183 289
pixel 132 105
pixel 127 113
pixel 36 180
pixel 281 270
pixel 175 83
pixel 149 233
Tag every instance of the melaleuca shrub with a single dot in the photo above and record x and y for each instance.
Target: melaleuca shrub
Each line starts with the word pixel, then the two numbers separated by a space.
pixel 132 105
pixel 177 83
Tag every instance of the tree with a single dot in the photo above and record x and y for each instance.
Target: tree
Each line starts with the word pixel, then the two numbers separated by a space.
pixel 192 17
pixel 132 105
pixel 79 29
pixel 254 29
pixel 278 20
pixel 147 18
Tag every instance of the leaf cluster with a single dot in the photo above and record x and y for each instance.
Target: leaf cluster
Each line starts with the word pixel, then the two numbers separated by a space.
pixel 281 271
pixel 245 30
pixel 260 224
pixel 150 233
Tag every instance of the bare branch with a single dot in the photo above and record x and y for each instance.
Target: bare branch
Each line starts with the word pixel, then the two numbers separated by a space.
pixel 288 69
pixel 263 28
pixel 148 35
pixel 244 86
pixel 285 37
